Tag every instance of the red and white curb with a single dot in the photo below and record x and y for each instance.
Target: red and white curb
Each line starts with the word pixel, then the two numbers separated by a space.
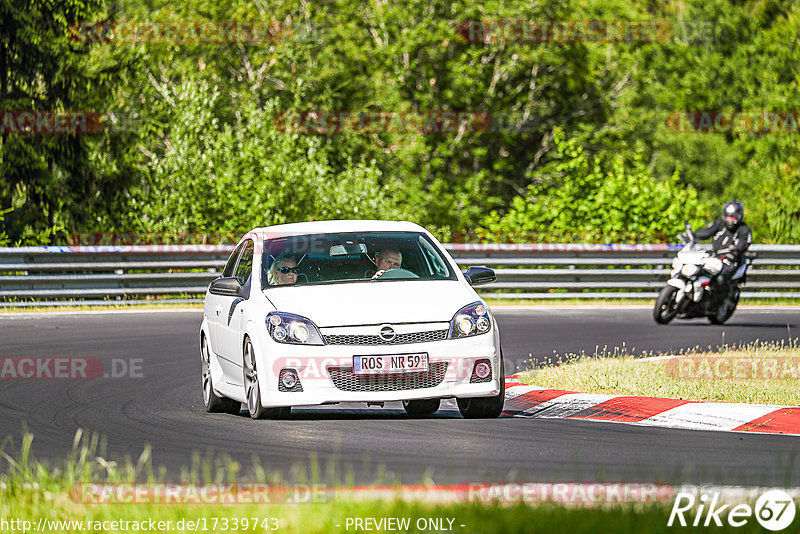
pixel 523 400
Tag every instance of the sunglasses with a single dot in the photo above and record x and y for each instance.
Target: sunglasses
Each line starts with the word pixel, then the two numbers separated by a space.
pixel 287 270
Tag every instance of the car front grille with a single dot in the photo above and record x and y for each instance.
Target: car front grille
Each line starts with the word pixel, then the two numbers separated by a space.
pixel 344 379
pixel 400 339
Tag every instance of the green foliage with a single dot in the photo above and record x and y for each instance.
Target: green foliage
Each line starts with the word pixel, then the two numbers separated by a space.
pixel 194 147
pixel 215 176
pixel 4 241
pixel 47 178
pixel 781 208
pixel 600 198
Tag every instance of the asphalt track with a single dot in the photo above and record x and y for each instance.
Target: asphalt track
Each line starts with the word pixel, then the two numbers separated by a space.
pixel 162 406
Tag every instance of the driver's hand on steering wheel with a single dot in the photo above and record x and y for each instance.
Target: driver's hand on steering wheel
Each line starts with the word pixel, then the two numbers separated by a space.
pixel 378 274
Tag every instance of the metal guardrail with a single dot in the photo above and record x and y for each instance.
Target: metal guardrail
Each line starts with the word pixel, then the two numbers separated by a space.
pixel 181 273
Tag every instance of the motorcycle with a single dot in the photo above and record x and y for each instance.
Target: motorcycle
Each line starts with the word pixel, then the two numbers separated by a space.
pixel 695 290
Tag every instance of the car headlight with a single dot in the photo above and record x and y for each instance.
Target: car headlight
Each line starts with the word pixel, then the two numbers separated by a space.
pixel 289 328
pixel 689 270
pixel 471 320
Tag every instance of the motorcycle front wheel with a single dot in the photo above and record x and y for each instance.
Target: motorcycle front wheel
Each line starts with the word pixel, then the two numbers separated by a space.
pixel 726 308
pixel 666 308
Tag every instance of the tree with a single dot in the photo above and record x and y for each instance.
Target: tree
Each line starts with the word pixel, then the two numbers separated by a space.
pixel 592 199
pixel 47 178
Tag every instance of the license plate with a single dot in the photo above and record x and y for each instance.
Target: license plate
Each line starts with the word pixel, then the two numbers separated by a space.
pixel 390 363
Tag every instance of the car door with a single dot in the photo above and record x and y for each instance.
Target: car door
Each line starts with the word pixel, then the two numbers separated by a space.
pixel 230 319
pixel 212 307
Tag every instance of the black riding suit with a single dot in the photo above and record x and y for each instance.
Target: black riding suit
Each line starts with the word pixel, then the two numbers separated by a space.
pixel 728 245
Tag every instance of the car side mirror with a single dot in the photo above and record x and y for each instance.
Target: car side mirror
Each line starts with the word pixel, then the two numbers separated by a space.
pixel 479 275
pixel 227 286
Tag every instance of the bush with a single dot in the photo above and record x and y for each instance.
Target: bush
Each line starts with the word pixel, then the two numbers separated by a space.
pixel 602 198
pixel 236 176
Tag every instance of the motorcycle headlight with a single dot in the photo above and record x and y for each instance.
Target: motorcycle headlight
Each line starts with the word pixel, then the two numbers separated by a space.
pixel 294 329
pixel 690 270
pixel 471 320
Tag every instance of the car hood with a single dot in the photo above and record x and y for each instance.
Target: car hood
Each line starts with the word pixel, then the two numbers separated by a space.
pixel 364 303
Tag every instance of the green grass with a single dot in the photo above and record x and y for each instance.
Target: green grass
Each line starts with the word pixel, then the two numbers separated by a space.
pixel 30 490
pixel 760 373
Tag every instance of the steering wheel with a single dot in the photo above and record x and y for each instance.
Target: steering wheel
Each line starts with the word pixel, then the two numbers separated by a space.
pixel 394 274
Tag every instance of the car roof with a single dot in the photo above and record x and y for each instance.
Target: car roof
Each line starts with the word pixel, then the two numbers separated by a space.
pixel 324 227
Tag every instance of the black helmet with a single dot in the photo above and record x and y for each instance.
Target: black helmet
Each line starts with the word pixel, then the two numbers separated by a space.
pixel 732 212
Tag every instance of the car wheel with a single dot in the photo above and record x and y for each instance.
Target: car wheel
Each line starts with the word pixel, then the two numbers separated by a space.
pixel 214 403
pixel 485 407
pixel 252 391
pixel 421 407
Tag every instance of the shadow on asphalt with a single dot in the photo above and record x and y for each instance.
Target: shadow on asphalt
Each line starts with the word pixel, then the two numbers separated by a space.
pixel 738 325
pixel 328 414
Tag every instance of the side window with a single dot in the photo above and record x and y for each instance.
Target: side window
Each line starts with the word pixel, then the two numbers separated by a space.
pixel 245 266
pixel 433 260
pixel 228 270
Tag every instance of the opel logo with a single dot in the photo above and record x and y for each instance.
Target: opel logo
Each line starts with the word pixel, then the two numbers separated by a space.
pixel 387 333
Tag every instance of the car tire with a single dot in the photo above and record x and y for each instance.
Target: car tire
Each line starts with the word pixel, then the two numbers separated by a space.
pixel 214 403
pixel 252 390
pixel 485 407
pixel 421 407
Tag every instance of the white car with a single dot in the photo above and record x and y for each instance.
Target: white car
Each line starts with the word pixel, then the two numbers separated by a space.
pixel 303 315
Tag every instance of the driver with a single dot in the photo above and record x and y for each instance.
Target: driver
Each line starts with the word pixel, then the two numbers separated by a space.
pixel 731 237
pixel 283 271
pixel 389 258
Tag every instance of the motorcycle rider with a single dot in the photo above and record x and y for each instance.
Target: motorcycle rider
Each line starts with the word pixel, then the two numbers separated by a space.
pixel 731 237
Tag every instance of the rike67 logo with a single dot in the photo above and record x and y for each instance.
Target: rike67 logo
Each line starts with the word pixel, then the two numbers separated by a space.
pixel 774 510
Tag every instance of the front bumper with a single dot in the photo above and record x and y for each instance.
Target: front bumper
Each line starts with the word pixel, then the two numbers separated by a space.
pixel 326 372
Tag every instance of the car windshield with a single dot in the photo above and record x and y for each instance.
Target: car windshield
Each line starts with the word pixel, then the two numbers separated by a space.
pixel 353 257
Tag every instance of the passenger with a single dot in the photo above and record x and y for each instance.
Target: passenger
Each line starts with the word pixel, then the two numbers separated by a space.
pixel 283 271
pixel 389 258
